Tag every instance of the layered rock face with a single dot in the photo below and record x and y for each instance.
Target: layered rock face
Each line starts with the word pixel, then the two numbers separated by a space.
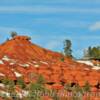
pixel 19 57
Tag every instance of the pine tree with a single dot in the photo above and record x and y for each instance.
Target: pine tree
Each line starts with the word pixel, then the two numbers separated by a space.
pixel 13 34
pixel 67 48
pixel 93 52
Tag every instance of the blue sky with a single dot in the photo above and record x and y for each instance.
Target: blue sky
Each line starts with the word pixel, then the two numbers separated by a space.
pixel 50 22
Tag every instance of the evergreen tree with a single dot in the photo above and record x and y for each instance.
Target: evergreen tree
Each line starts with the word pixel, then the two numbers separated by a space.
pixel 13 34
pixel 67 48
pixel 90 51
pixel 93 52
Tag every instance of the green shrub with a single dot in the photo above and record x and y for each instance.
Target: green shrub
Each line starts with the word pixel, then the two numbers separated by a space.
pixel 87 87
pixel 40 80
pixel 21 83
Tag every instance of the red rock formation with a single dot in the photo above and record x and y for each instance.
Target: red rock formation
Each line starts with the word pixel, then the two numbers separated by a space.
pixel 20 55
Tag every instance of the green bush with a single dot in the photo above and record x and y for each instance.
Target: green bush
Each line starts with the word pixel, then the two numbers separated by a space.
pixel 21 83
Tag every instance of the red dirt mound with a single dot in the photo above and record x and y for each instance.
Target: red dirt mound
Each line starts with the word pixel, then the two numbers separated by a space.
pixel 20 57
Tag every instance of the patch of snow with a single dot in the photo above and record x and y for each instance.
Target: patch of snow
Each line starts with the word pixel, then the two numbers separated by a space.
pixel 22 94
pixel 25 93
pixel 1 62
pixel 29 63
pixel 44 62
pixel 36 66
pixel 89 63
pixel 24 65
pixel 96 68
pixel 12 63
pixel 17 74
pixel 34 62
pixel 1 74
pixel 98 64
pixel 87 69
pixel 86 62
pixel 6 58
pixel 2 85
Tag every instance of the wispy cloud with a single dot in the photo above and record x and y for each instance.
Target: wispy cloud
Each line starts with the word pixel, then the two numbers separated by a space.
pixel 7 30
pixel 50 1
pixel 57 42
pixel 46 9
pixel 95 26
pixel 52 44
pixel 74 24
pixel 61 38
pixel 62 22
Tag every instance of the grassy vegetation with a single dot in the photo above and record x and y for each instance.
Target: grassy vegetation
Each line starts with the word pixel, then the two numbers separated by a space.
pixel 37 90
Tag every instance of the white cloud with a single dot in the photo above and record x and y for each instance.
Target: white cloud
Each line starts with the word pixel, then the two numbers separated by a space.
pixel 53 44
pixel 95 26
pixel 56 42
pixel 65 23
pixel 50 1
pixel 74 37
pixel 6 29
pixel 46 9
pixel 74 24
pixel 21 31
